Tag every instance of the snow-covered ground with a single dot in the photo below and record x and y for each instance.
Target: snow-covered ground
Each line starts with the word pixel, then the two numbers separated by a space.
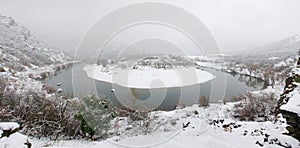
pixel 8 126
pixel 149 77
pixel 184 127
pixel 293 105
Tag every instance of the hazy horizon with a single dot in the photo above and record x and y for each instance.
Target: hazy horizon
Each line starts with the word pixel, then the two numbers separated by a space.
pixel 234 24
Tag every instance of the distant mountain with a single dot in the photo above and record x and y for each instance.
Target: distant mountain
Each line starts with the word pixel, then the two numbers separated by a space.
pixel 286 47
pixel 291 45
pixel 19 50
pixel 144 48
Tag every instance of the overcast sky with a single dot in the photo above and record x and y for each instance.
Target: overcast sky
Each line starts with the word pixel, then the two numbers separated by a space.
pixel 235 24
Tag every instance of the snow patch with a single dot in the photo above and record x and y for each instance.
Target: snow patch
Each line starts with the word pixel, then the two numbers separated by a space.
pixel 8 126
pixel 15 140
pixel 273 58
pixel 293 105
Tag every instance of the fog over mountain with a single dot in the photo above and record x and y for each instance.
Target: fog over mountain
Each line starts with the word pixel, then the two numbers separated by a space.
pixel 235 24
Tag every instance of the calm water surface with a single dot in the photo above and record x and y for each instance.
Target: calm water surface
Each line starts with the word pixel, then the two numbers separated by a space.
pixel 224 87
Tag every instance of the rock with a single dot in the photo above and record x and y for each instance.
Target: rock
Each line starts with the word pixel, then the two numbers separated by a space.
pixel 2 69
pixel 260 144
pixel 8 128
pixel 28 144
pixel 186 125
pixel 59 90
pixel 128 128
pixel 293 119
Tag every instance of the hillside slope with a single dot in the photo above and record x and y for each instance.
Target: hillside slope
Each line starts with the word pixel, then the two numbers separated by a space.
pixel 20 51
pixel 279 50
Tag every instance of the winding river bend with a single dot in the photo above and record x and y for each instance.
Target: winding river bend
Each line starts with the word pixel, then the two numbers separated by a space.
pixel 224 87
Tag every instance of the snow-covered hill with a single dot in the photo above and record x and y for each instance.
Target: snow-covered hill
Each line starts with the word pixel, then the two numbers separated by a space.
pixel 24 59
pixel 282 48
pixel 289 45
pixel 21 51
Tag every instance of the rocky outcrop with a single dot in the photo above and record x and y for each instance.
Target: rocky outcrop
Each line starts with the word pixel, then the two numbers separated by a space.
pixel 288 104
pixel 293 120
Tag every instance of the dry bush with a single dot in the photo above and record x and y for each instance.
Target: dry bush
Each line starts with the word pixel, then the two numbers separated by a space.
pixel 30 75
pixel 3 84
pixel 238 98
pixel 26 63
pixel 44 75
pixel 57 68
pixel 37 115
pixel 256 108
pixel 2 69
pixel 142 122
pixel 49 89
pixel 54 117
pixel 203 101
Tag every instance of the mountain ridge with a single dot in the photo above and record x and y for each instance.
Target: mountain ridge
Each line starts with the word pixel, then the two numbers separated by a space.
pixel 284 47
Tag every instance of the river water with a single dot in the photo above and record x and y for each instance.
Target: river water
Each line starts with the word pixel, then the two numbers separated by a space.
pixel 224 87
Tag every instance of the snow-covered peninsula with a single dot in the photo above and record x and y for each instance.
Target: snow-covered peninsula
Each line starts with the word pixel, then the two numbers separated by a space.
pixel 149 78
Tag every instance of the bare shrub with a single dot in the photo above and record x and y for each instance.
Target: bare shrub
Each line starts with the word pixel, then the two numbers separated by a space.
pixel 55 117
pixel 37 115
pixel 256 108
pixel 2 69
pixel 44 75
pixel 203 101
pixel 30 75
pixel 25 63
pixel 3 84
pixel 57 68
pixel 141 122
pixel 49 89
pixel 238 98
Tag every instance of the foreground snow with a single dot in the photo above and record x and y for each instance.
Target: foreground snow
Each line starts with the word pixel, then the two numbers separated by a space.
pixel 293 105
pixel 194 126
pixel 8 125
pixel 150 77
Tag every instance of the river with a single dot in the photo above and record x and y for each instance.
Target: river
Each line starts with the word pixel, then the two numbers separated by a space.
pixel 224 87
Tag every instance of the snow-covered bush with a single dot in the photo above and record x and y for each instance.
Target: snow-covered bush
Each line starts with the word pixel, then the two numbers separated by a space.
pixel 134 122
pixel 95 115
pixel 256 107
pixel 38 115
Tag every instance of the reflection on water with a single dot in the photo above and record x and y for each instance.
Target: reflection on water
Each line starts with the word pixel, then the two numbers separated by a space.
pixel 223 87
